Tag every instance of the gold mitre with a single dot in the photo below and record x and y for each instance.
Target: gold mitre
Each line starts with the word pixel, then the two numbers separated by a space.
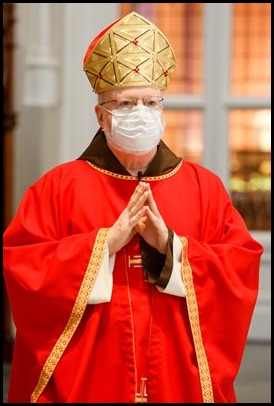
pixel 129 52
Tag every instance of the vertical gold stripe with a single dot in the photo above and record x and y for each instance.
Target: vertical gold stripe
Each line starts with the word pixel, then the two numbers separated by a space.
pixel 76 314
pixel 131 322
pixel 205 378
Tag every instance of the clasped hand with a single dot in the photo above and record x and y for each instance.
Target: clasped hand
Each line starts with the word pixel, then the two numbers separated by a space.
pixel 141 216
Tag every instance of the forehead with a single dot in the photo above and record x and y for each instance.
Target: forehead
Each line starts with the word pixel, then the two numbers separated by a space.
pixel 137 91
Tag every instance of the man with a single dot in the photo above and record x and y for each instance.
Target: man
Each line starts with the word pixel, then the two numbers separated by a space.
pixel 122 290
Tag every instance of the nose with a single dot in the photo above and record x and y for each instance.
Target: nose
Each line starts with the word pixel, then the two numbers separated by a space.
pixel 139 101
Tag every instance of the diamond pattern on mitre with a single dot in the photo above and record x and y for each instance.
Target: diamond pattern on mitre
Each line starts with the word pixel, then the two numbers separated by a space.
pixel 133 53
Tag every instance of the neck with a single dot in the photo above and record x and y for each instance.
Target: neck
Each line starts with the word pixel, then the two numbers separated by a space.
pixel 132 162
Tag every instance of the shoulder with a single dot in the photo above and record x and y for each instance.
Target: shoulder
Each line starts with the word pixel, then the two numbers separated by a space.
pixel 66 168
pixel 208 182
pixel 60 173
pixel 200 171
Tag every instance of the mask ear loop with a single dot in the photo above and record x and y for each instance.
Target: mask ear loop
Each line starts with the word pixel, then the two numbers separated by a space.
pixel 109 111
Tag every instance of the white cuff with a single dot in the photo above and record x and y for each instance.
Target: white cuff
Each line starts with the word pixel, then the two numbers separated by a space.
pixel 102 289
pixel 175 285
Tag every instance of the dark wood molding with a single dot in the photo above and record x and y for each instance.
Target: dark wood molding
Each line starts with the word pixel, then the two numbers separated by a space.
pixel 9 123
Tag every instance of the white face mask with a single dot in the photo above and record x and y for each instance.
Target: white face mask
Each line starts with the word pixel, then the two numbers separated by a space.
pixel 138 129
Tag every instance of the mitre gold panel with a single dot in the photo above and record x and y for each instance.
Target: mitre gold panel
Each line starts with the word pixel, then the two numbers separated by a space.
pixel 130 52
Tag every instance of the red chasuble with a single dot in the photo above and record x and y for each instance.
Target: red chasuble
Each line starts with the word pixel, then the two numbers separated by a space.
pixel 187 349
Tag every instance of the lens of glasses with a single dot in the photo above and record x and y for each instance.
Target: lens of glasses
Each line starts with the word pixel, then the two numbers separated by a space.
pixel 127 103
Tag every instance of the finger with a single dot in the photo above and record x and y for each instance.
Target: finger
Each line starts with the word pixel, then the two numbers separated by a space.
pixel 144 218
pixel 151 202
pixel 137 204
pixel 142 222
pixel 141 225
pixel 137 217
pixel 154 218
pixel 139 193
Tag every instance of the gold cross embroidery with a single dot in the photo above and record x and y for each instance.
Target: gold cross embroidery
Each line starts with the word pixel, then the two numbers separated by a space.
pixel 142 396
pixel 136 261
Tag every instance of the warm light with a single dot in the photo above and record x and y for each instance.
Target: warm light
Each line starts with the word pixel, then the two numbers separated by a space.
pixel 262 125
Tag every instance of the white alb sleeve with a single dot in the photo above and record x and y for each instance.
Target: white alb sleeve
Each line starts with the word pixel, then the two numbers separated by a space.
pixel 175 285
pixel 102 289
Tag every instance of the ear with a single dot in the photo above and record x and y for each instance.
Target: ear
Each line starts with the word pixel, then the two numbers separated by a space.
pixel 99 113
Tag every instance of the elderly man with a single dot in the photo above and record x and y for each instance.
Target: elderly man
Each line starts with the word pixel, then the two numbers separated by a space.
pixel 132 278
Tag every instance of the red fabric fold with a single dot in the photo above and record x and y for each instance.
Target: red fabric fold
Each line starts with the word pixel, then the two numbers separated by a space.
pixel 47 249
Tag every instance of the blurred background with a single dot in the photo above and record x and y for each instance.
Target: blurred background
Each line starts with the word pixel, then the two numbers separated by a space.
pixel 217 107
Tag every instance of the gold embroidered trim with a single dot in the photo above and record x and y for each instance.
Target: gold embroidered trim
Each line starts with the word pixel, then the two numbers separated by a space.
pixel 76 314
pixel 192 306
pixel 131 177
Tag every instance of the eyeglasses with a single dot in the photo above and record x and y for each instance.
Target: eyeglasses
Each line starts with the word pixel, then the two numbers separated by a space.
pixel 126 103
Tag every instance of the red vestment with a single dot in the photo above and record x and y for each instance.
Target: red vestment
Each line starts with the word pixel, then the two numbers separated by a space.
pixel 190 349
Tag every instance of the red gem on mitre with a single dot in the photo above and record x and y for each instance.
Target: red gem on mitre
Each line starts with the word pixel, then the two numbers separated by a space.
pixel 135 41
pixel 166 73
pixel 136 69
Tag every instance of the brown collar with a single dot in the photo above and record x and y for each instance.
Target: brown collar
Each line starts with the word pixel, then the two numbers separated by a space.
pixel 99 154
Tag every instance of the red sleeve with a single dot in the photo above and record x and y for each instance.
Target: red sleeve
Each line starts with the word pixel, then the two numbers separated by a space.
pixel 222 276
pixel 44 268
